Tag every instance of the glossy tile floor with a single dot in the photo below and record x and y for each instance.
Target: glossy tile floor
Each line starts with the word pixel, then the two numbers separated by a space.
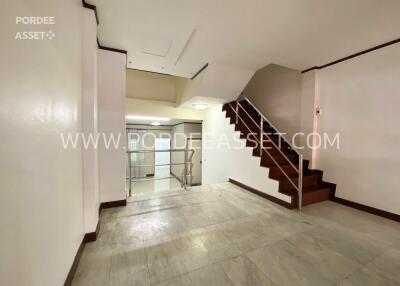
pixel 160 182
pixel 222 235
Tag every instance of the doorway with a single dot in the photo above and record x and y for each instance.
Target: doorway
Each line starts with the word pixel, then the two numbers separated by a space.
pixel 195 144
pixel 162 159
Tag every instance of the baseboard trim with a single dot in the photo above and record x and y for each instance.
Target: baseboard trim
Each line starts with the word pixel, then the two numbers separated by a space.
pixel 92 236
pixel 75 263
pixel 262 194
pixel 87 238
pixel 113 204
pixel 367 209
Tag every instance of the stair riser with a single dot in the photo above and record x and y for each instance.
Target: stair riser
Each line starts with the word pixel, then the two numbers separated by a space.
pixel 309 198
pixel 308 181
pixel 269 134
pixel 243 129
pixel 271 150
pixel 314 189
pixel 266 161
pixel 276 173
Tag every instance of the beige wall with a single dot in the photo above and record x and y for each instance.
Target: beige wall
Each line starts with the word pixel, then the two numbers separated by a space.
pixel 178 140
pixel 229 158
pixel 180 133
pixel 152 86
pixel 111 107
pixel 91 198
pixel 276 92
pixel 360 99
pixel 308 104
pixel 41 205
pixel 161 109
pixel 186 89
pixel 149 142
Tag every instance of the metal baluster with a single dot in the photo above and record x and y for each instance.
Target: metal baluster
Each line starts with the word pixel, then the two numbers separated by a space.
pixel 237 111
pixel 300 184
pixel 186 168
pixel 130 173
pixel 261 136
pixel 191 174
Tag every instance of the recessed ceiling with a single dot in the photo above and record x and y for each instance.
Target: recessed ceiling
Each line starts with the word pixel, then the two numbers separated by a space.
pixel 151 86
pixel 171 122
pixel 179 36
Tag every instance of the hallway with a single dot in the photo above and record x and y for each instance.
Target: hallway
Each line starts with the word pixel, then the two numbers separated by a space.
pixel 222 235
pixel 161 181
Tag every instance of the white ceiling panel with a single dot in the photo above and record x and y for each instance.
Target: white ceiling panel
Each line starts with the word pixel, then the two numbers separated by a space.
pixel 247 34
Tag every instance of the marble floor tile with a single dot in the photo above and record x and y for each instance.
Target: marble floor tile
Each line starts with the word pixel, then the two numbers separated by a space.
pixel 212 275
pixel 285 225
pixel 396 245
pixel 183 280
pixel 283 264
pixel 330 264
pixel 346 282
pixel 128 258
pixel 93 269
pixel 159 184
pixel 388 264
pixel 347 242
pixel 368 277
pixel 242 272
pixel 125 277
pixel 221 235
pixel 250 234
pixel 163 269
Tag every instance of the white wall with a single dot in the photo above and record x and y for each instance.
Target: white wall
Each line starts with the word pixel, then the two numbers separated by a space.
pixel 148 140
pixel 41 217
pixel 308 117
pixel 180 133
pixel 214 85
pixel 224 157
pixel 360 98
pixel 151 86
pixel 111 120
pixel 154 108
pixel 89 113
pixel 276 92
pixel 178 141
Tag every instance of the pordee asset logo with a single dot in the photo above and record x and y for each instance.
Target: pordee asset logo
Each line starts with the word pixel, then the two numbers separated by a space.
pixel 34 35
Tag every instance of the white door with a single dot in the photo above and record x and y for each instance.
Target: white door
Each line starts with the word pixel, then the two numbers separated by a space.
pixel 162 158
pixel 196 160
pixel 135 143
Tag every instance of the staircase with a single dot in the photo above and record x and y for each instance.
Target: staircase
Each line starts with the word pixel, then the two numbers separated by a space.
pixel 303 185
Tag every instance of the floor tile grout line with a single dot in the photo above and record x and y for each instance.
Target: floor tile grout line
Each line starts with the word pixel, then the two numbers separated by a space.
pixel 184 231
pixel 194 269
pixel 177 207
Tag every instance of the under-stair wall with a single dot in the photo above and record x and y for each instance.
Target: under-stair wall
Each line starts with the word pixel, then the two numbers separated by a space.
pixel 225 157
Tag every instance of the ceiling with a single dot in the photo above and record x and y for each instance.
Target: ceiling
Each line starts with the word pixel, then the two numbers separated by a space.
pixel 151 86
pixel 172 122
pixel 179 36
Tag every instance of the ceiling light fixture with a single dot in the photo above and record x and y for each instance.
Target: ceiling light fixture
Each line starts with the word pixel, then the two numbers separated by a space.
pixel 146 118
pixel 200 106
pixel 155 123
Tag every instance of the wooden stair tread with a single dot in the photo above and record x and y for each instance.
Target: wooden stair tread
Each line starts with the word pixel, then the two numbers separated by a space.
pixel 314 188
pixel 320 187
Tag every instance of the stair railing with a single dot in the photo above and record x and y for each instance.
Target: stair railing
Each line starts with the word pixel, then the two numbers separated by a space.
pixel 299 169
pixel 187 172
